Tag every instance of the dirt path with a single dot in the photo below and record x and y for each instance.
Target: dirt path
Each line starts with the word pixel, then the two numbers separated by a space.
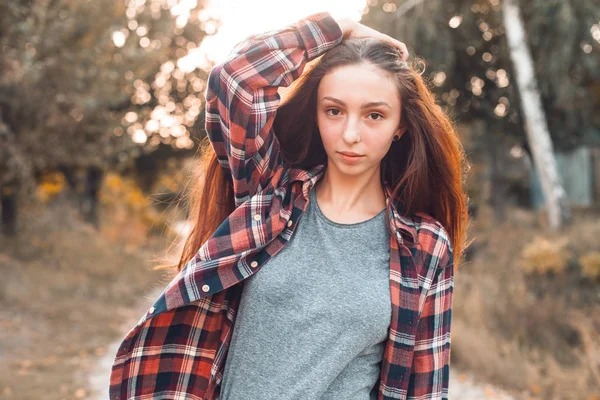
pixel 100 376
pixel 65 291
pixel 464 387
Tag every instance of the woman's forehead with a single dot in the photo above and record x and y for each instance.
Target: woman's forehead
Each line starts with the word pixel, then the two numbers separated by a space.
pixel 359 82
pixel 363 68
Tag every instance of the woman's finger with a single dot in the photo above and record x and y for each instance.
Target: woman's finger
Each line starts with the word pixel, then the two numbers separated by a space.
pixel 403 50
pixel 397 44
pixel 365 31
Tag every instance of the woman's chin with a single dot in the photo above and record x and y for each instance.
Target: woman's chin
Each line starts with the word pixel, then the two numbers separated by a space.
pixel 350 169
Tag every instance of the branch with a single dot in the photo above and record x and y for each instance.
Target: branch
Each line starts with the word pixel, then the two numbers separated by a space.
pixel 406 7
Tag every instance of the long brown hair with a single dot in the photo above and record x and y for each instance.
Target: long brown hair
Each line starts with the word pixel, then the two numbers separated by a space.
pixel 426 167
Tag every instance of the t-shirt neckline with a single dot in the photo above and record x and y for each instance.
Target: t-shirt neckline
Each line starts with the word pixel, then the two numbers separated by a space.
pixel 313 200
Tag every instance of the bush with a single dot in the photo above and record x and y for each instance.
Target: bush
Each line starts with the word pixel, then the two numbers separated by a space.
pixel 542 256
pixel 51 185
pixel 590 265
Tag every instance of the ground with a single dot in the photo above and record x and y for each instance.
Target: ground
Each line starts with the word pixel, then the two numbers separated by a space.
pixel 533 330
pixel 67 292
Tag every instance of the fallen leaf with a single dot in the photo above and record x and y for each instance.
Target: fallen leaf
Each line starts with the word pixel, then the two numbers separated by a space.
pixel 535 389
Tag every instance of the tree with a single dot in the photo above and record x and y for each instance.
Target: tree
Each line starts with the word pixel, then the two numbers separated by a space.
pixel 469 65
pixel 96 84
pixel 535 118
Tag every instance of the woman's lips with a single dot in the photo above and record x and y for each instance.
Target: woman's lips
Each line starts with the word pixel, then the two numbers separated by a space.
pixel 351 157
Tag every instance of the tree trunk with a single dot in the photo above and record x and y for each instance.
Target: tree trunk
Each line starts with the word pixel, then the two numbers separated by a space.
pixel 89 204
pixel 498 189
pixel 536 126
pixel 8 205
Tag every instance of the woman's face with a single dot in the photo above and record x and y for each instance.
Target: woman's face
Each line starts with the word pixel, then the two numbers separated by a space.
pixel 358 111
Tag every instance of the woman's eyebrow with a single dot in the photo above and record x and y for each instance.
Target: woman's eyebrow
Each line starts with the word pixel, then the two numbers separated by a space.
pixel 365 105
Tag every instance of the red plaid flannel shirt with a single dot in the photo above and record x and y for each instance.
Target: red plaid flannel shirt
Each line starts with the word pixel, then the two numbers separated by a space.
pixel 178 348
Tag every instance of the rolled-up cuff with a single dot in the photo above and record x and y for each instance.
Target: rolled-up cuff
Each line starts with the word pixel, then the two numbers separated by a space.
pixel 319 33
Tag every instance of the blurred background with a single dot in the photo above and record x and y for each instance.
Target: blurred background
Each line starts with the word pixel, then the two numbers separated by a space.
pixel 101 112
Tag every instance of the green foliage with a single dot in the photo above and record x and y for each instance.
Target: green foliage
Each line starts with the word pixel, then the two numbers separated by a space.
pixel 567 55
pixel 469 66
pixel 80 80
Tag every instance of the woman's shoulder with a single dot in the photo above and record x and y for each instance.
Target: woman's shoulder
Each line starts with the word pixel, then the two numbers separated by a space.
pixel 420 223
pixel 432 237
pixel 429 223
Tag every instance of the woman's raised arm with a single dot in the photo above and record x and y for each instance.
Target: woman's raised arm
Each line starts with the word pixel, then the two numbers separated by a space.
pixel 242 97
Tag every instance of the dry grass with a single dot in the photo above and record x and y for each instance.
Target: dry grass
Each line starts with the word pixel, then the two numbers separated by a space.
pixel 65 294
pixel 544 255
pixel 526 316
pixel 590 264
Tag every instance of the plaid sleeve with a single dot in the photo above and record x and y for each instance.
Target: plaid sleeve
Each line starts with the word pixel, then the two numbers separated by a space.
pixel 430 373
pixel 242 97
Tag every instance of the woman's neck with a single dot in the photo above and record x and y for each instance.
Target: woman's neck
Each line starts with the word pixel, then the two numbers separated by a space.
pixel 350 199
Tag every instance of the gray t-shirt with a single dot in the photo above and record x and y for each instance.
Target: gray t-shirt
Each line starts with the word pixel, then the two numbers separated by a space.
pixel 313 322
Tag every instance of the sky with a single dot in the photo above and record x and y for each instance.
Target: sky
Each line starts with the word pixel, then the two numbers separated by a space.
pixel 241 18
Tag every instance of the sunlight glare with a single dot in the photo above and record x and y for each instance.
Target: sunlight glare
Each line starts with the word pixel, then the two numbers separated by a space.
pixel 240 19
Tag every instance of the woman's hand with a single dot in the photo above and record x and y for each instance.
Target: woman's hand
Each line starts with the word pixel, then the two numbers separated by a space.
pixel 354 29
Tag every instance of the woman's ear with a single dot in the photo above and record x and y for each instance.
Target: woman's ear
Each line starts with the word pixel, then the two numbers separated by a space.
pixel 401 130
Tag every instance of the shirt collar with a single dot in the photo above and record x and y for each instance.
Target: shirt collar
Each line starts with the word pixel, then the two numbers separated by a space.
pixel 400 220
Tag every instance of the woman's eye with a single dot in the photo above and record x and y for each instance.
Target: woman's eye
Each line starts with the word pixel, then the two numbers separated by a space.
pixel 336 112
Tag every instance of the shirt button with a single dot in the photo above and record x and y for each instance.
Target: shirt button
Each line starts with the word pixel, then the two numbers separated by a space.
pixel 151 310
pixel 289 223
pixel 254 264
pixel 257 217
pixel 205 288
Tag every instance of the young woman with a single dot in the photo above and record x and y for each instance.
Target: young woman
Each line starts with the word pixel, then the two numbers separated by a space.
pixel 326 231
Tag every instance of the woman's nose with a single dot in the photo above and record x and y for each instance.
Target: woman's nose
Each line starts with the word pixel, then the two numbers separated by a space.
pixel 351 134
